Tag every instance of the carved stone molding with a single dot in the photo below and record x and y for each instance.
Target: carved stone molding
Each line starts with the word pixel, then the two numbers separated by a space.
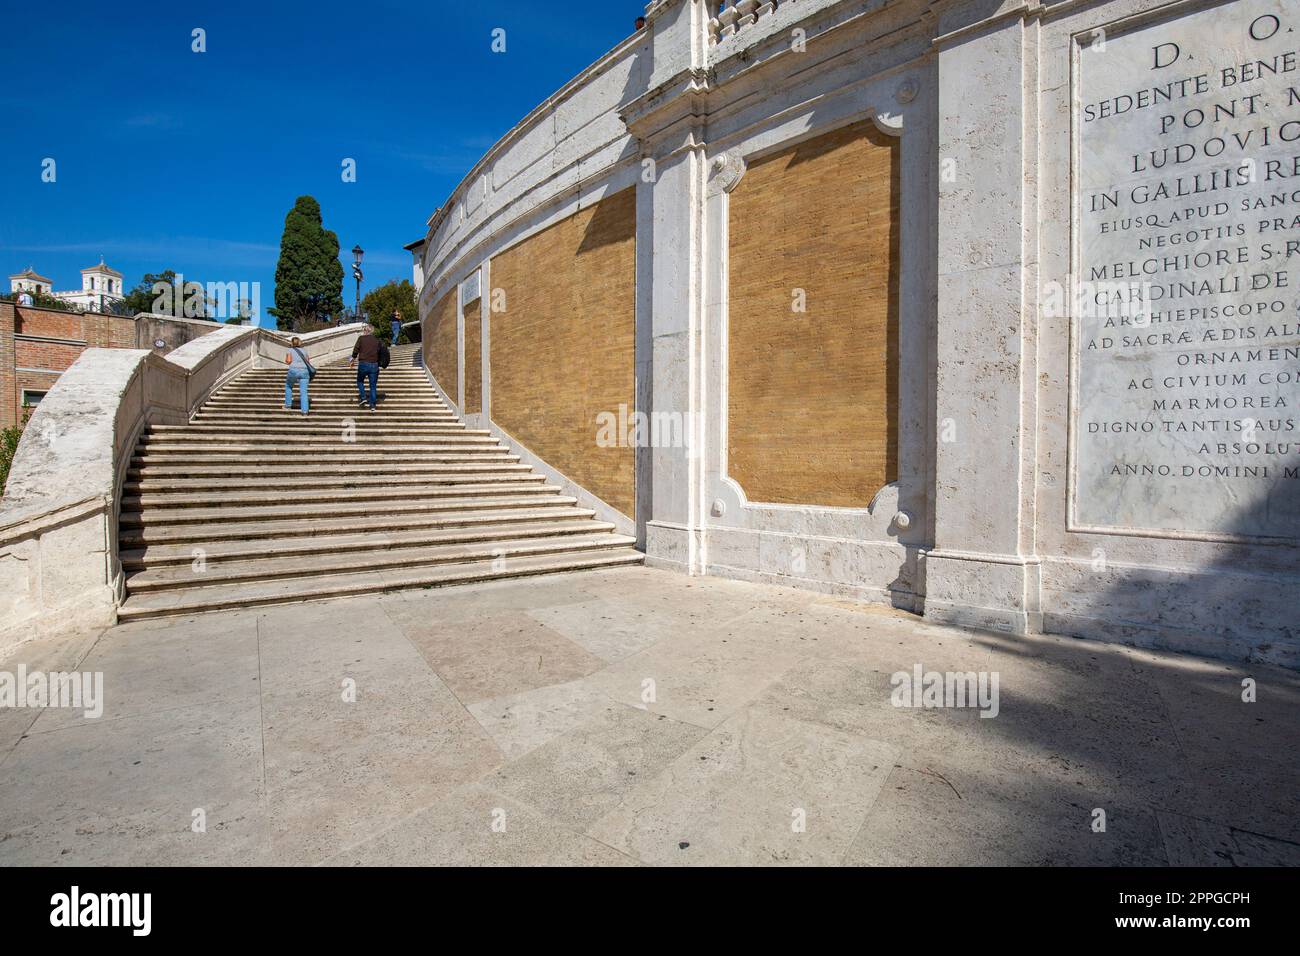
pixel 725 172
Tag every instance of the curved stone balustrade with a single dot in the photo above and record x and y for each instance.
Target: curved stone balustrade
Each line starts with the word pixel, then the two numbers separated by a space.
pixel 58 519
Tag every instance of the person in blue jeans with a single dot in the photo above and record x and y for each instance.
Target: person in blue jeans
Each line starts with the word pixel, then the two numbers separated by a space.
pixel 397 326
pixel 365 356
pixel 299 373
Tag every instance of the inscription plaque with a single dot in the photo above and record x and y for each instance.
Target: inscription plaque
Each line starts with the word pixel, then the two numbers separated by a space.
pixel 1185 286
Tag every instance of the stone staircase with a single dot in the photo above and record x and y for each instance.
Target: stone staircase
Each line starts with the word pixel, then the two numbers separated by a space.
pixel 250 505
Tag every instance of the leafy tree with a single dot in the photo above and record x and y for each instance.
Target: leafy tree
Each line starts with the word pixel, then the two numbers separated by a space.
pixel 161 294
pixel 309 276
pixel 381 303
pixel 9 438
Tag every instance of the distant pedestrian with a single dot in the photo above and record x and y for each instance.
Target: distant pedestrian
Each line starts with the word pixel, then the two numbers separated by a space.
pixel 25 299
pixel 397 326
pixel 299 373
pixel 365 356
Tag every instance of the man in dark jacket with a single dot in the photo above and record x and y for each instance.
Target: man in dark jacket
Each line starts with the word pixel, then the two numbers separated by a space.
pixel 365 356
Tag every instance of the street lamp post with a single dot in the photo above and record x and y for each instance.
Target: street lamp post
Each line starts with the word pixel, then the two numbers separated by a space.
pixel 357 253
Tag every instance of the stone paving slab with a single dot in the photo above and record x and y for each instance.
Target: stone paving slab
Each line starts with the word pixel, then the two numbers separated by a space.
pixel 634 716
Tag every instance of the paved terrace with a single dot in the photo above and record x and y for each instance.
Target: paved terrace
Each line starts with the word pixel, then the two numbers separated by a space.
pixel 520 703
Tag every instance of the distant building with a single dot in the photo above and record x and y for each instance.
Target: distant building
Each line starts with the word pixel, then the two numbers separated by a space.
pixel 29 281
pixel 101 286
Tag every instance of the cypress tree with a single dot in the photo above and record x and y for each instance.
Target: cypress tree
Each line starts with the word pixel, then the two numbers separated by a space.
pixel 309 276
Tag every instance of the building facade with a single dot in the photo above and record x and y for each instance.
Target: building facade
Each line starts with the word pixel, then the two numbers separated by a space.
pixel 101 287
pixel 984 310
pixel 29 280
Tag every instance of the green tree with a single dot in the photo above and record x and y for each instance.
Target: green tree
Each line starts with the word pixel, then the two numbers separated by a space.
pixel 381 303
pixel 9 439
pixel 161 294
pixel 309 276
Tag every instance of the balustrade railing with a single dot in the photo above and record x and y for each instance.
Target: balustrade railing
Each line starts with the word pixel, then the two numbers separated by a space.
pixel 734 15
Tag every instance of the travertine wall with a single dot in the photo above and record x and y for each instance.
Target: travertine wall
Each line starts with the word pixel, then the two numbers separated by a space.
pixel 563 348
pixel 1014 142
pixel 813 321
pixel 473 357
pixel 440 338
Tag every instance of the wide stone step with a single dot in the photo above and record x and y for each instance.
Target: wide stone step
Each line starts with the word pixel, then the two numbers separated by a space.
pixel 297 424
pixel 406 378
pixel 284 529
pixel 162 555
pixel 276 403
pixel 164 517
pixel 158 503
pixel 384 386
pixel 199 448
pixel 275 411
pixel 404 472
pixel 304 457
pixel 319 434
pixel 401 484
pixel 339 393
pixel 331 371
pixel 249 594
pixel 278 416
pixel 413 380
pixel 327 433
pixel 317 566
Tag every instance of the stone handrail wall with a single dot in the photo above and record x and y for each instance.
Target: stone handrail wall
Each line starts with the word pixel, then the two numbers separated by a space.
pixel 59 568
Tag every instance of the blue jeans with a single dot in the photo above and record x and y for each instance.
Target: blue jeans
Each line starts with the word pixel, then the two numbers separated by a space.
pixel 367 370
pixel 301 377
pixel 397 331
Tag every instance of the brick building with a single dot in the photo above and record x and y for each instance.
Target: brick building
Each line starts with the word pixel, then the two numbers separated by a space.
pixel 38 345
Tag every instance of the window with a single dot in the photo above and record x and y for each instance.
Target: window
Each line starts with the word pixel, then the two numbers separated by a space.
pixel 32 398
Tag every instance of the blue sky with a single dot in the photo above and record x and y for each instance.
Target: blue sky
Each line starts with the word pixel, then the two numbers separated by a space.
pixel 167 158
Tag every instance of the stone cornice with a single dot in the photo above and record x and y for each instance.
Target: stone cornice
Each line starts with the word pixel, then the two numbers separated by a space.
pixel 1022 10
pixel 684 96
